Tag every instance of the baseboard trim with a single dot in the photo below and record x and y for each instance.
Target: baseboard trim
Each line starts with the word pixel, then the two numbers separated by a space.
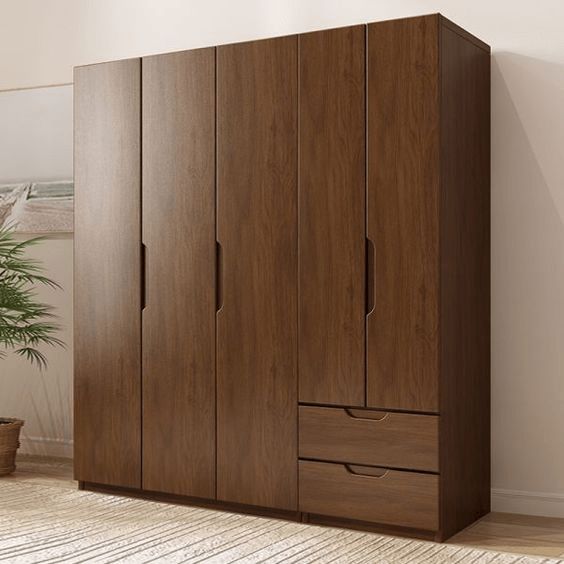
pixel 528 503
pixel 45 446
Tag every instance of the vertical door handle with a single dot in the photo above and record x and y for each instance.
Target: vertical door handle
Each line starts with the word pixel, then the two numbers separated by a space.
pixel 143 276
pixel 218 276
pixel 370 290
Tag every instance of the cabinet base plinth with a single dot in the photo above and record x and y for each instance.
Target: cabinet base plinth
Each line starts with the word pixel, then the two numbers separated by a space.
pixel 286 515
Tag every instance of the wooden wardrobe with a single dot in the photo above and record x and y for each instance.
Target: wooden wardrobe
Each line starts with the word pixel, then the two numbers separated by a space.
pixel 282 277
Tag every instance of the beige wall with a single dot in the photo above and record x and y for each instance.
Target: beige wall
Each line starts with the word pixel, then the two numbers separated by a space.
pixel 36 144
pixel 44 399
pixel 528 283
pixel 43 40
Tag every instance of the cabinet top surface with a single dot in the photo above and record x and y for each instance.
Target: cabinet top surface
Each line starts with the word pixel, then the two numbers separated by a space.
pixel 442 20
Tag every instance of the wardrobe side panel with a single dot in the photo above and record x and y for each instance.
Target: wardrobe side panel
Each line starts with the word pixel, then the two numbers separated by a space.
pixel 178 322
pixel 257 228
pixel 465 280
pixel 332 224
pixel 107 345
pixel 403 214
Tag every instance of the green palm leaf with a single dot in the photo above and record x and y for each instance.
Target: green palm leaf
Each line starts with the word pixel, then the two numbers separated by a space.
pixel 25 323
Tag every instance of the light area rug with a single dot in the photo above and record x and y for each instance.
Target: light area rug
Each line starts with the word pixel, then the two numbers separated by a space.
pixel 41 523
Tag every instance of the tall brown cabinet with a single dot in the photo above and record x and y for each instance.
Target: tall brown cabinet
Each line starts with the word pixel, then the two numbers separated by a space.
pixel 282 276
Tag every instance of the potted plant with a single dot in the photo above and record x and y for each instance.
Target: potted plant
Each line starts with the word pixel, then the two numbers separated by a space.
pixel 25 323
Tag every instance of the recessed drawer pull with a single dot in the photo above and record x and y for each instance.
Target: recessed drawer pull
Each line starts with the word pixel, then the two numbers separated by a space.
pixel 372 438
pixel 367 415
pixel 366 471
pixel 364 493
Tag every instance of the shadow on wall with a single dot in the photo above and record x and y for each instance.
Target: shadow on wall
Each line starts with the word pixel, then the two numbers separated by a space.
pixel 527 284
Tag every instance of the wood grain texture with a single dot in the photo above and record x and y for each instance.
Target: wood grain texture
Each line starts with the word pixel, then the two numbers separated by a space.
pixel 405 499
pixel 372 527
pixel 403 213
pixel 107 345
pixel 465 282
pixel 257 228
pixel 397 440
pixel 217 505
pixel 179 233
pixel 332 216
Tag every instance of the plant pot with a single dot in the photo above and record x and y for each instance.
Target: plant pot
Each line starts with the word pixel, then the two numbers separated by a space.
pixel 9 444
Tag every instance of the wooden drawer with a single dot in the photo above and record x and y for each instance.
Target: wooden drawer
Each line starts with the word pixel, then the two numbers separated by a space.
pixel 378 438
pixel 391 497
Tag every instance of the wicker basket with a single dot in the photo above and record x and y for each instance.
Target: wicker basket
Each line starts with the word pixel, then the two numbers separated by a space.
pixel 9 444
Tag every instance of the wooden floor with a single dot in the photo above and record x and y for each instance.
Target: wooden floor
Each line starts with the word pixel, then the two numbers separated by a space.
pixel 502 532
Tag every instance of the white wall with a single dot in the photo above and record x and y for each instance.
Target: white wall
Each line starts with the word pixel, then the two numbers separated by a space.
pixel 36 144
pixel 36 134
pixel 41 41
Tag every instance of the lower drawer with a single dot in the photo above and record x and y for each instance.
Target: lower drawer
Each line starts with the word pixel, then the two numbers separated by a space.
pixel 391 497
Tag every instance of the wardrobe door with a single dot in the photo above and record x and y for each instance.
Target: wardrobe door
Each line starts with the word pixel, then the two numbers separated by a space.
pixel 403 211
pixel 178 233
pixel 332 226
pixel 107 309
pixel 257 230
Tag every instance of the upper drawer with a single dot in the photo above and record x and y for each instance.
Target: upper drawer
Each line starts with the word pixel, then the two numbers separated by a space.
pixel 379 438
